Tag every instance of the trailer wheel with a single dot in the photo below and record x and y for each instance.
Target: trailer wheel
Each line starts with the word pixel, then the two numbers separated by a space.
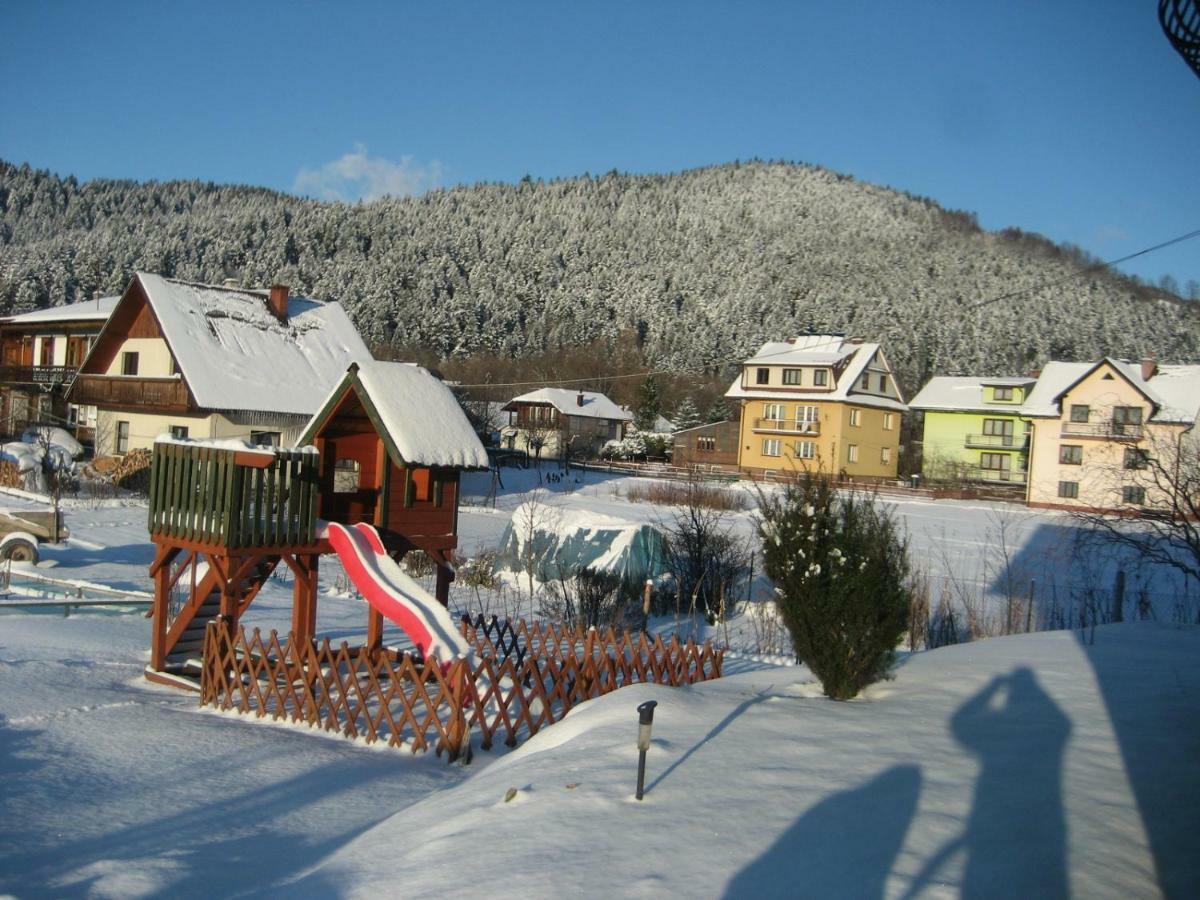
pixel 19 549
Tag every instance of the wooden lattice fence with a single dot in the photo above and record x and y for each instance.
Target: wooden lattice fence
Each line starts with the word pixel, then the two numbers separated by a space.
pixel 521 678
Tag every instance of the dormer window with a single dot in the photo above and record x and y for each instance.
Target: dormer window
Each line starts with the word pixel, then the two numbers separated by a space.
pixel 865 381
pixel 1002 393
pixel 883 384
pixel 792 376
pixel 762 376
pixel 821 378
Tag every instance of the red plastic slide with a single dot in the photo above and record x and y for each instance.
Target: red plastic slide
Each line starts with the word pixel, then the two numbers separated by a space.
pixel 397 596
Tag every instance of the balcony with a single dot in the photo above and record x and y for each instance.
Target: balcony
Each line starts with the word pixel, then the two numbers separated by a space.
pixel 165 394
pixel 1001 441
pixel 787 426
pixel 42 376
pixel 1107 430
pixel 999 476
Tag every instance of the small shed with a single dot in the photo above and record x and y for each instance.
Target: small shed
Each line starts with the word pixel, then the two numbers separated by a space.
pixel 393 441
pixel 714 444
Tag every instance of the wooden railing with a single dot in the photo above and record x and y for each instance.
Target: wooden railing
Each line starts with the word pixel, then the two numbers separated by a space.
pixel 40 375
pixel 522 679
pixel 233 498
pixel 168 394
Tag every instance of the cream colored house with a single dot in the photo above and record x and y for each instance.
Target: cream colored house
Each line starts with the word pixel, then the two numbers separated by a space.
pixel 557 422
pixel 203 361
pixel 819 402
pixel 1103 434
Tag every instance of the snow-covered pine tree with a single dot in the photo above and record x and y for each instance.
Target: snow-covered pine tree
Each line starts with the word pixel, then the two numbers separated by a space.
pixel 686 415
pixel 648 406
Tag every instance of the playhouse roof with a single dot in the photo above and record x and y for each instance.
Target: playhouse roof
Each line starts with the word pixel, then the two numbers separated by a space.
pixel 234 354
pixel 418 417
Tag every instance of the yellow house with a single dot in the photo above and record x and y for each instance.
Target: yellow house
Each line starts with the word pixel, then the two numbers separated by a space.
pixel 203 361
pixel 1106 436
pixel 819 402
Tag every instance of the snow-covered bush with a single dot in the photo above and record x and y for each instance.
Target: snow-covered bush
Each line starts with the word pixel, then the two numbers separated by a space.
pixel 632 446
pixel 841 575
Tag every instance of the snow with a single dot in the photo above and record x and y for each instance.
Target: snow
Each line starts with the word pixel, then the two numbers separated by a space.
pixel 88 310
pixel 235 355
pixel 1030 765
pixel 954 392
pixel 422 416
pixel 594 406
pixel 1175 389
pixel 55 437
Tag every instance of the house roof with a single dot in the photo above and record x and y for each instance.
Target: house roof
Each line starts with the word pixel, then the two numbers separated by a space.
pixel 1174 390
pixel 594 406
pixel 965 393
pixel 419 419
pixel 820 350
pixel 235 355
pixel 87 311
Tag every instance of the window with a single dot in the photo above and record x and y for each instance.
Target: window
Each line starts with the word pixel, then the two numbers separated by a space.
pixel 855 417
pixel 47 358
pixel 1127 420
pixel 129 363
pixel 345 476
pixel 888 421
pixel 706 444
pixel 1001 429
pixel 821 378
pixel 806 450
pixel 1135 458
pixel 885 455
pixel 1080 413
pixel 773 411
pixel 865 381
pixel 1068 490
pixel 174 366
pixel 852 452
pixel 762 376
pixel 422 484
pixel 1070 455
pixel 266 438
pixel 122 437
pixel 179 432
pixel 806 418
pixel 883 384
pixel 771 447
pixel 1002 393
pixel 1133 493
pixel 995 462
pixel 792 376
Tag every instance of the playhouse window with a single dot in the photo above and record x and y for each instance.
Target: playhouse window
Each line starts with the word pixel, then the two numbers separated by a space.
pixel 422 485
pixel 345 476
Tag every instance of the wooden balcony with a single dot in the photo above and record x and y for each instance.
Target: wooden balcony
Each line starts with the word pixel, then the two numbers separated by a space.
pixel 787 426
pixel 165 394
pixel 1106 430
pixel 42 376
pixel 997 441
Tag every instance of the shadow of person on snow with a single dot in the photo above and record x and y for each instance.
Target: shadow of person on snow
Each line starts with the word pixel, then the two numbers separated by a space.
pixel 845 846
pixel 1015 839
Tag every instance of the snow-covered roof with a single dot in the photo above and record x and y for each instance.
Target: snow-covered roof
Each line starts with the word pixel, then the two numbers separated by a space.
pixel 663 425
pixel 953 392
pixel 234 354
pixel 594 405
pixel 818 350
pixel 87 311
pixel 1173 389
pixel 421 417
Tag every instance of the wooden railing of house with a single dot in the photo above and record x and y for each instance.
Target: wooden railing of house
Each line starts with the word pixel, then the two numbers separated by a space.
pixel 521 679
pixel 104 390
pixel 233 498
pixel 39 375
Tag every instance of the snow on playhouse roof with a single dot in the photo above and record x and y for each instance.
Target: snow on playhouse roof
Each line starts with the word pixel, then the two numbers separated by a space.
pixel 87 311
pixel 421 421
pixel 236 355
pixel 593 406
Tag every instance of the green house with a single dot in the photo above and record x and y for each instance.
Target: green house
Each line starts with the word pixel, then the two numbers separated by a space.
pixel 973 429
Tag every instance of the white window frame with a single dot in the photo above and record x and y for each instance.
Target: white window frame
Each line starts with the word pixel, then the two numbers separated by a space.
pixel 852 453
pixel 885 455
pixel 888 421
pixel 771 447
pixel 806 449
pixel 855 418
pixel 774 411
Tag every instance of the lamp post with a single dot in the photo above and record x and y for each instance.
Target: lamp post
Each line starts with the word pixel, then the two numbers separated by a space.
pixel 645 720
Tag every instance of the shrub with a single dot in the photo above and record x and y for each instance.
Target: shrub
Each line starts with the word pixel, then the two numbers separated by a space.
pixel 841 575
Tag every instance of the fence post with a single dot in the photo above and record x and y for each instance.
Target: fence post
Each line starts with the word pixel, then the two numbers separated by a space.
pixel 1118 610
pixel 458 736
pixel 1029 606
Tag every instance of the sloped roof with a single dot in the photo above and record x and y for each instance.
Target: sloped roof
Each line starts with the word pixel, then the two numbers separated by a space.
pixel 421 421
pixel 594 406
pixel 1173 389
pixel 965 392
pixel 819 350
pixel 235 355
pixel 87 311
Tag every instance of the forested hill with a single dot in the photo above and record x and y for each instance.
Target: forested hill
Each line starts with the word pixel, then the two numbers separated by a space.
pixel 700 267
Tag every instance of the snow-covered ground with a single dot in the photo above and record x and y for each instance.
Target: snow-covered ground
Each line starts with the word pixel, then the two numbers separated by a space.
pixel 1022 766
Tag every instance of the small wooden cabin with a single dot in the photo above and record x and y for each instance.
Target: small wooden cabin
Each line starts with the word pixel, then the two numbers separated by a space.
pixel 393 441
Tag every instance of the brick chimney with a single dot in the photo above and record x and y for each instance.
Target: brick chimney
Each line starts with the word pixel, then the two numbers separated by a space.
pixel 1149 367
pixel 278 301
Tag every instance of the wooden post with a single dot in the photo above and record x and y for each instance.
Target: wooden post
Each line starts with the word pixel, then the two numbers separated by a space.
pixel 441 588
pixel 304 598
pixel 158 627
pixel 1029 606
pixel 646 593
pixel 374 630
pixel 458 736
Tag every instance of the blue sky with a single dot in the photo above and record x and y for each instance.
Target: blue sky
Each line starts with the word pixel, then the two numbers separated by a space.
pixel 1071 118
